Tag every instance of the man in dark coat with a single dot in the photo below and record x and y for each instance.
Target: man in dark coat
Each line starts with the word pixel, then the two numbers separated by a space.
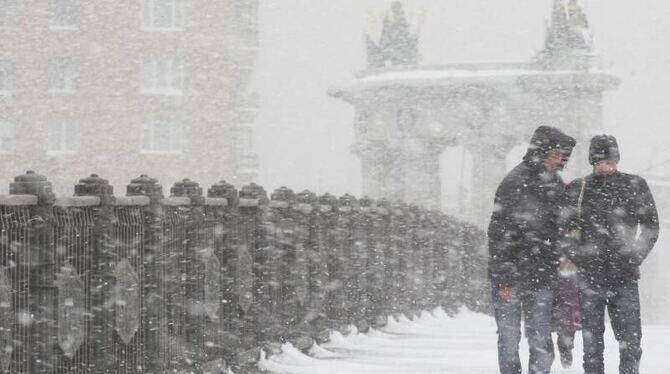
pixel 614 222
pixel 523 257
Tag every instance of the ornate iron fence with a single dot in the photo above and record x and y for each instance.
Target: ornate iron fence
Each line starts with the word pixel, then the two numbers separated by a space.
pixel 149 284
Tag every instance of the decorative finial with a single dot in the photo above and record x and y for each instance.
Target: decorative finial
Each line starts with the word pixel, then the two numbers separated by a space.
pixel 396 43
pixel 569 42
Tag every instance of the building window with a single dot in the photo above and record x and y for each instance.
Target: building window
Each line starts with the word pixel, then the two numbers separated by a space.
pixel 160 137
pixel 162 14
pixel 62 137
pixel 162 76
pixel 64 14
pixel 64 75
pixel 6 76
pixel 7 137
pixel 7 14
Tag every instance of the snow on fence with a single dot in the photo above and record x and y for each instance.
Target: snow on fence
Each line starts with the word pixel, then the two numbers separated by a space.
pixel 187 283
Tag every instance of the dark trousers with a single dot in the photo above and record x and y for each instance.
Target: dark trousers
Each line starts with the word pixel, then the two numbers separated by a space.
pixel 536 307
pixel 623 305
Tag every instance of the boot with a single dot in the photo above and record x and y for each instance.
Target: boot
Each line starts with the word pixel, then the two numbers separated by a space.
pixel 566 356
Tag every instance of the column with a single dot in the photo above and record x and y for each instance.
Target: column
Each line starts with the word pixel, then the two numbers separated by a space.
pixel 489 167
pixel 378 161
pixel 419 177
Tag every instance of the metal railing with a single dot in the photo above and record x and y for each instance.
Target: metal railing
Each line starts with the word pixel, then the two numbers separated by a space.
pixel 149 284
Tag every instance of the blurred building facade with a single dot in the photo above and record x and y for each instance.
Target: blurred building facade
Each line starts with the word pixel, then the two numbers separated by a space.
pixel 122 88
pixel 407 114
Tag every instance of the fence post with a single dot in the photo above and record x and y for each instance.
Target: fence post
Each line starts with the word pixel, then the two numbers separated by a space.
pixel 225 246
pixel 315 278
pixel 101 272
pixel 414 263
pixel 346 308
pixel 422 267
pixel 362 261
pixel 202 267
pixel 281 230
pixel 430 252
pixel 477 296
pixel 252 276
pixel 398 258
pixel 453 258
pixel 152 236
pixel 440 261
pixel 15 267
pixel 327 242
pixel 379 264
pixel 40 262
pixel 174 268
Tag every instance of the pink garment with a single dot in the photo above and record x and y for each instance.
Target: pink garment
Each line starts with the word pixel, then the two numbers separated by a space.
pixel 566 313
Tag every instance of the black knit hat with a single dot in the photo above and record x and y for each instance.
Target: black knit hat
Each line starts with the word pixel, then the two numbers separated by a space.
pixel 603 147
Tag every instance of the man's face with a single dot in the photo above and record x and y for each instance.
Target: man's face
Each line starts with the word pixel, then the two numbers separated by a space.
pixel 554 160
pixel 604 168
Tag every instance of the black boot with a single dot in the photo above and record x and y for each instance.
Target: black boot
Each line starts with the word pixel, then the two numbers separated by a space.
pixel 565 345
pixel 566 357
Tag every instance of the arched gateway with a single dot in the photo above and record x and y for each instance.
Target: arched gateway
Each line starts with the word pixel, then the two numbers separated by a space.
pixel 407 114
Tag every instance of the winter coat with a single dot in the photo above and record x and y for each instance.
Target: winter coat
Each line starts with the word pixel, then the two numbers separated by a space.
pixel 619 227
pixel 523 228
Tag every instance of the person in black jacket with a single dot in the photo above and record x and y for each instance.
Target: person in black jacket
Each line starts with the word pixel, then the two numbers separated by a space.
pixel 523 255
pixel 614 224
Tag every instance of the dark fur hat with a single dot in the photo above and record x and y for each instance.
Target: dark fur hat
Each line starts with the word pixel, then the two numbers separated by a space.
pixel 603 147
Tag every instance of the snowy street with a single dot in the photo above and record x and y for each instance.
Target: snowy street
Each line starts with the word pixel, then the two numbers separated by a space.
pixel 247 186
pixel 437 343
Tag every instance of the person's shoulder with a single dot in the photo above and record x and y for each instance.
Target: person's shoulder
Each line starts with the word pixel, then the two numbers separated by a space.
pixel 577 182
pixel 516 177
pixel 634 180
pixel 513 184
pixel 632 177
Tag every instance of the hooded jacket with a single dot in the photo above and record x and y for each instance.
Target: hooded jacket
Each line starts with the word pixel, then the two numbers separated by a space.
pixel 523 230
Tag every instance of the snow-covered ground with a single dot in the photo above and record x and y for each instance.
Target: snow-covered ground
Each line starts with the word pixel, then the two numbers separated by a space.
pixel 436 343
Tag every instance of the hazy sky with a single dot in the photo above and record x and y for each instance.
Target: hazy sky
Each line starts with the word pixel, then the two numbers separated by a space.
pixel 307 46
